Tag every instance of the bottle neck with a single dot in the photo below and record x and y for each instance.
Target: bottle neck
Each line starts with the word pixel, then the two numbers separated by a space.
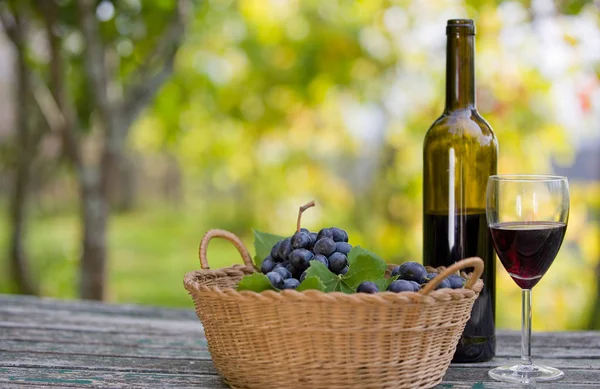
pixel 460 72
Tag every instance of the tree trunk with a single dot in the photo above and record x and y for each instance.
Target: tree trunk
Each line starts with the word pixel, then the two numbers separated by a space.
pixel 123 183
pixel 94 213
pixel 115 117
pixel 25 147
pixel 95 201
pixel 19 262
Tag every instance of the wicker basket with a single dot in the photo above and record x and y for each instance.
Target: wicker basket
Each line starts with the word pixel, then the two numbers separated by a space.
pixel 315 340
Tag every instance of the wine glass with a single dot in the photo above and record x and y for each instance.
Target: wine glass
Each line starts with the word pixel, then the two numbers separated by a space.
pixel 527 216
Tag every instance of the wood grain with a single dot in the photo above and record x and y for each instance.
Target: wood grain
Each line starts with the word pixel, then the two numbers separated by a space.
pixel 47 343
pixel 95 378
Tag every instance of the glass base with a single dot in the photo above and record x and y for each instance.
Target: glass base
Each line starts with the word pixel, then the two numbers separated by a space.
pixel 526 374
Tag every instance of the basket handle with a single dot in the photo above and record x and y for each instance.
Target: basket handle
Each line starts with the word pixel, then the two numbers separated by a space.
pixel 474 262
pixel 233 238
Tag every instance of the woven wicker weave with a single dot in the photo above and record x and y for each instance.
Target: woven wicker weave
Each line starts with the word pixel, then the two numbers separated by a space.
pixel 314 340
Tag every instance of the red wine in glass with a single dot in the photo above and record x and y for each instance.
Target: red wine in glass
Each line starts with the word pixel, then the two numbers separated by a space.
pixel 527 249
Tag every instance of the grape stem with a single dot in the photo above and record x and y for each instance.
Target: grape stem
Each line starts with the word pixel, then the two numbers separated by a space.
pixel 302 209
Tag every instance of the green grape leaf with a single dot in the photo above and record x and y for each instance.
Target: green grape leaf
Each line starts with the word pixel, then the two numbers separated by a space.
pixel 383 283
pixel 256 282
pixel 345 288
pixel 330 281
pixel 311 283
pixel 364 266
pixel 263 243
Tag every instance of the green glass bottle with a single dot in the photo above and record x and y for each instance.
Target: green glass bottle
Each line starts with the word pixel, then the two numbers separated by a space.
pixel 459 154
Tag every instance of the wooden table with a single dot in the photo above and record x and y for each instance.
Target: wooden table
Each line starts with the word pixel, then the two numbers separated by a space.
pixel 52 343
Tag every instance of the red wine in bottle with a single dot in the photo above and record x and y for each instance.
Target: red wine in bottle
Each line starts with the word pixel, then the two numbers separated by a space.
pixel 459 154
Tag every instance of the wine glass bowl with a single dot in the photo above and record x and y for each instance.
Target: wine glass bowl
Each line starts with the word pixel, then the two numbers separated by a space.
pixel 527 249
pixel 527 216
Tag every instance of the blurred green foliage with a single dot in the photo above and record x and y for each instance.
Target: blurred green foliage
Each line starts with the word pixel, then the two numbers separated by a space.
pixel 275 103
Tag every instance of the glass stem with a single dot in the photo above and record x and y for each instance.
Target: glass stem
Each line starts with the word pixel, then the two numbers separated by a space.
pixel 526 328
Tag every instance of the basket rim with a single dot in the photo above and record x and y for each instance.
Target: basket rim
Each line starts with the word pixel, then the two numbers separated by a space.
pixel 192 285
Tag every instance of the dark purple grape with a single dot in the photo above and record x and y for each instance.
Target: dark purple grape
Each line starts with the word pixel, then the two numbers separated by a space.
pixel 290 283
pixel 276 279
pixel 301 240
pixel 444 284
pixel 343 247
pixel 302 276
pixel 325 233
pixel 396 271
pixel 324 246
pixel 367 287
pixel 456 281
pixel 283 271
pixel 305 230
pixel 344 270
pixel 288 266
pixel 415 285
pixel 295 272
pixel 401 286
pixel 267 265
pixel 313 237
pixel 299 258
pixel 285 248
pixel 337 262
pixel 412 271
pixel 430 276
pixel 321 258
pixel 275 252
pixel 339 235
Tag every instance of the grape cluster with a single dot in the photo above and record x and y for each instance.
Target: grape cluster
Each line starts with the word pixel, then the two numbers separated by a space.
pixel 411 276
pixel 290 257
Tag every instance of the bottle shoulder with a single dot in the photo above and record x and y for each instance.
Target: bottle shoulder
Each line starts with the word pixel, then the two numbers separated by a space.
pixel 461 125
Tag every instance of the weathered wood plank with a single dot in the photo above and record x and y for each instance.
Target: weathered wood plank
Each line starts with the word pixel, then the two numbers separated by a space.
pixel 480 374
pixel 20 316
pixel 113 379
pixel 94 338
pixel 78 306
pixel 561 363
pixel 41 360
pixel 41 386
pixel 503 385
pixel 106 350
pixel 106 328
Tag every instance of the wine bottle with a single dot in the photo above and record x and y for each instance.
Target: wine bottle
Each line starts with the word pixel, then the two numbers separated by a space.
pixel 459 154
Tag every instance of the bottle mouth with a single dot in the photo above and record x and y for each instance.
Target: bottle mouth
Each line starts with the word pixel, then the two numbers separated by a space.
pixel 460 26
